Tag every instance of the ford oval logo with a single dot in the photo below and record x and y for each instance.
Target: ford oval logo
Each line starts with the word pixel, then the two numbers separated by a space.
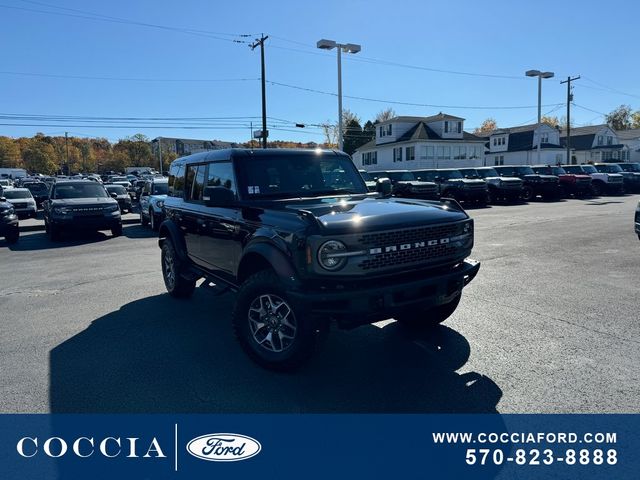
pixel 224 447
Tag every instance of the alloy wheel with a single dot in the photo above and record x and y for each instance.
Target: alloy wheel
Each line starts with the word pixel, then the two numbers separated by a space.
pixel 272 323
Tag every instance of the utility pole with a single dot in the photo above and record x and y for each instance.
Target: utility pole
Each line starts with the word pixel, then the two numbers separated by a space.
pixel 66 144
pixel 260 42
pixel 160 153
pixel 569 100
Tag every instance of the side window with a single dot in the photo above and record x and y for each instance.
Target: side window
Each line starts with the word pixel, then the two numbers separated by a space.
pixel 176 180
pixel 195 182
pixel 146 189
pixel 221 175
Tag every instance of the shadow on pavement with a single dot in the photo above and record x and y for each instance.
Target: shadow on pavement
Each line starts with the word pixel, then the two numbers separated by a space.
pixel 40 241
pixel 159 354
pixel 138 231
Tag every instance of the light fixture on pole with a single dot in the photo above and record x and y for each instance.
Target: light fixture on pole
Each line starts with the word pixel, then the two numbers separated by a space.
pixel 540 75
pixel 325 44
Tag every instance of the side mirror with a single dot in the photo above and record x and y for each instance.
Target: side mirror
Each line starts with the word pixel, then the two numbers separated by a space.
pixel 218 197
pixel 383 187
pixel 3 199
pixel 114 195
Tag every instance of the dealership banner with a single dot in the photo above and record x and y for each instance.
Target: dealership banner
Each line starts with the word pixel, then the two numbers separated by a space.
pixel 319 446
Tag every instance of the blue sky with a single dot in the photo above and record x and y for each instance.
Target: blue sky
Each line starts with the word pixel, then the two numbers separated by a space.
pixel 501 38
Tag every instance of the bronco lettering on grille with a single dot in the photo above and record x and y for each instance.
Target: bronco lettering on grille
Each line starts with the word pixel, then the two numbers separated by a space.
pixel 408 246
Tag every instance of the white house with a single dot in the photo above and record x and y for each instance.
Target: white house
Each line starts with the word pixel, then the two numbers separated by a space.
pixel 631 140
pixel 595 143
pixel 413 143
pixel 519 146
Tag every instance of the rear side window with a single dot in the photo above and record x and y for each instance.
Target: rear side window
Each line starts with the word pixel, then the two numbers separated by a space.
pixel 221 175
pixel 176 180
pixel 196 175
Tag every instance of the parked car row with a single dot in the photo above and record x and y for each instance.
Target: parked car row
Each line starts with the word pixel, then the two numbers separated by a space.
pixel 510 182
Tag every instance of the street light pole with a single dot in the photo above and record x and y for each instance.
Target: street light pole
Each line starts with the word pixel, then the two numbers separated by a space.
pixel 340 139
pixel 348 48
pixel 540 75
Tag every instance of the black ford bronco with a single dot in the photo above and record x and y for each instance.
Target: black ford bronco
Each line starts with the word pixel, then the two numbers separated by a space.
pixel 301 241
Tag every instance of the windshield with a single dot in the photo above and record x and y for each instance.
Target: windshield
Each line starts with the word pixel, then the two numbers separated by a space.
pixel 428 176
pixel 487 172
pixel 366 176
pixel 469 173
pixel 524 170
pixel 117 189
pixel 14 194
pixel 160 189
pixel 449 174
pixel 79 190
pixel 119 179
pixel 558 171
pixel 401 176
pixel 609 168
pixel 589 169
pixel 630 167
pixel 304 175
pixel 37 187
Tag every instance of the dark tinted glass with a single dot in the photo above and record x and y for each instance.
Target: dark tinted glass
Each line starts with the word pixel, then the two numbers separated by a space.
pixel 160 189
pixel 304 175
pixel 81 190
pixel 195 182
pixel 116 189
pixel 221 175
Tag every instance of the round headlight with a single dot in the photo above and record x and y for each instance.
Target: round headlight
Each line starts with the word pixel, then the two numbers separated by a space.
pixel 330 255
pixel 160 203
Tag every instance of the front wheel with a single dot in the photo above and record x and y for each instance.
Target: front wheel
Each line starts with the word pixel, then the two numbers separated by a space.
pixel 143 220
pixel 12 236
pixel 425 318
pixel 153 220
pixel 117 230
pixel 176 284
pixel 527 193
pixel 274 331
pixel 596 189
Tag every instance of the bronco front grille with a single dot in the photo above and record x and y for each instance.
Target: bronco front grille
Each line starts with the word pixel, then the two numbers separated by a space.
pixel 408 245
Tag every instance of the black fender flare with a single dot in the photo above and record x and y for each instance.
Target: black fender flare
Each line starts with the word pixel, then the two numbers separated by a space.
pixel 275 257
pixel 170 230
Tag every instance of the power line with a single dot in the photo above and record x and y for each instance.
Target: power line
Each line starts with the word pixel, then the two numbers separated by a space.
pixel 395 102
pixel 128 79
pixel 97 17
pixel 611 89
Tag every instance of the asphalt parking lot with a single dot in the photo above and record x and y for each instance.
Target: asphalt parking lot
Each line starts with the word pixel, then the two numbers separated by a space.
pixel 551 324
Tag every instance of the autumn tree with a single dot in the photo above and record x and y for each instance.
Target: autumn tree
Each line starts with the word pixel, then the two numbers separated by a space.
pixel 9 153
pixel 635 119
pixel 134 151
pixel 40 157
pixel 552 121
pixel 486 126
pixel 620 118
pixel 384 115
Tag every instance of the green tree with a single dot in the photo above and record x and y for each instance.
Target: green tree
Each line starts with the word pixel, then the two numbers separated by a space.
pixel 9 153
pixel 635 119
pixel 134 151
pixel 620 118
pixel 352 137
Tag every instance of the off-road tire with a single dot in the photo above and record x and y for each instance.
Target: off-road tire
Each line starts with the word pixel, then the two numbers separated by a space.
pixel 527 193
pixel 117 230
pixel 12 236
pixel 175 283
pixel 305 337
pixel 143 221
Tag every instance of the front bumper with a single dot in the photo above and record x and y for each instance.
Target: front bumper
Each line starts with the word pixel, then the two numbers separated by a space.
pixel 8 223
pixel 366 304
pixel 472 194
pixel 86 223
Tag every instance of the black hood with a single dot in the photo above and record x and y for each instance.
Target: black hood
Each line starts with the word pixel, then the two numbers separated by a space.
pixel 347 215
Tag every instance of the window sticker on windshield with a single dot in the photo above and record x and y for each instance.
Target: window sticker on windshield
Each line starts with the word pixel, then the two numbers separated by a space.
pixel 254 189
